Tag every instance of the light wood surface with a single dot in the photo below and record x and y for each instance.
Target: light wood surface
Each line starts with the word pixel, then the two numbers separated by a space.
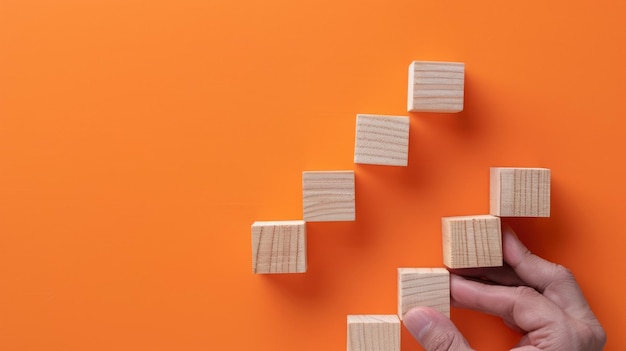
pixel 328 196
pixel 428 287
pixel 382 140
pixel 436 86
pixel 520 192
pixel 373 333
pixel 279 247
pixel 471 241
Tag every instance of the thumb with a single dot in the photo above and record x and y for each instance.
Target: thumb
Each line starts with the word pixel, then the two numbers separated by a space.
pixel 434 331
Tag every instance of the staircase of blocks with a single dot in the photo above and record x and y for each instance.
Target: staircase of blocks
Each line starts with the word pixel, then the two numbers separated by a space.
pixel 279 247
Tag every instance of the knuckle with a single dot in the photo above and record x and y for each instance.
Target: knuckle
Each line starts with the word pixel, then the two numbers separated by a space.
pixel 592 336
pixel 600 336
pixel 525 292
pixel 524 298
pixel 562 272
pixel 563 276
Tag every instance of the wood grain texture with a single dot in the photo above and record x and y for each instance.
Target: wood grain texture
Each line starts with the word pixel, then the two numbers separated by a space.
pixel 428 287
pixel 328 196
pixel 373 333
pixel 279 247
pixel 520 192
pixel 472 241
pixel 436 86
pixel 382 140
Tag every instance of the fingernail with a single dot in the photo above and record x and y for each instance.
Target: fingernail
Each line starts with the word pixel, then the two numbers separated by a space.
pixel 417 322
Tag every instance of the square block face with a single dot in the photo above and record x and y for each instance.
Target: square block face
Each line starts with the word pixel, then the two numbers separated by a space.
pixel 382 140
pixel 472 241
pixel 436 86
pixel 520 192
pixel 328 196
pixel 373 333
pixel 428 287
pixel 279 247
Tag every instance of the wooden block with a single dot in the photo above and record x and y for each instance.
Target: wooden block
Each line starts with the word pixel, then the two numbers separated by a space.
pixel 436 86
pixel 520 192
pixel 328 196
pixel 373 333
pixel 382 140
pixel 279 247
pixel 472 241
pixel 428 287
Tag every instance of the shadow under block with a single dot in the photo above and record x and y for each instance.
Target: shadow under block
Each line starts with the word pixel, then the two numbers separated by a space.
pixel 436 86
pixel 279 247
pixel 519 192
pixel 382 140
pixel 328 196
pixel 373 333
pixel 428 287
pixel 472 241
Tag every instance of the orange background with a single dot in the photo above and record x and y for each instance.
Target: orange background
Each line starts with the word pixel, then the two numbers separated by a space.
pixel 139 140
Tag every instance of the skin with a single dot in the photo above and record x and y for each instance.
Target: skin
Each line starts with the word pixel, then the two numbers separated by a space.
pixel 535 297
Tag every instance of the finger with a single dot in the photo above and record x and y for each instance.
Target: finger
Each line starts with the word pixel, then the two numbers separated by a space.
pixel 504 275
pixel 522 306
pixel 434 331
pixel 555 281
pixel 526 348
pixel 532 269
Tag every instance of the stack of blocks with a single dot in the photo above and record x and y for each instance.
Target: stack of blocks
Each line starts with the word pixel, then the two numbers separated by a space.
pixel 280 246
pixel 476 241
pixel 467 241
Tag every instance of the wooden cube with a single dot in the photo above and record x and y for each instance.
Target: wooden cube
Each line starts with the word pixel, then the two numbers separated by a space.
pixel 328 196
pixel 520 192
pixel 382 140
pixel 428 287
pixel 373 333
pixel 472 241
pixel 436 86
pixel 279 247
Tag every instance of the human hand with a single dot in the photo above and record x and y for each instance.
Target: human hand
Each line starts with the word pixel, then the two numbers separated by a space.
pixel 535 297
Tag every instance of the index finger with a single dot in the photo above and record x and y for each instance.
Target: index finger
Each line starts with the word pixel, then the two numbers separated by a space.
pixel 556 282
pixel 521 306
